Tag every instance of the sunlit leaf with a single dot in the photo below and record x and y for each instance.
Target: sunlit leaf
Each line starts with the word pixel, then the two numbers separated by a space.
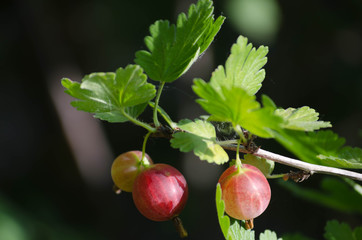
pixel 304 119
pixel 243 68
pixel 107 94
pixel 200 137
pixel 172 49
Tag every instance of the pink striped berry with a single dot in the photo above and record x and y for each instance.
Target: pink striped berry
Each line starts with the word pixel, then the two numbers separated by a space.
pixel 246 192
pixel 160 192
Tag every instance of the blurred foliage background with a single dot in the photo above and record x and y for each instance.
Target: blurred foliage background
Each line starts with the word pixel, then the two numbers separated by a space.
pixel 55 162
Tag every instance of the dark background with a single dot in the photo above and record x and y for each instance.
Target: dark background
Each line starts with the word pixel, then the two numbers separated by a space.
pixel 55 162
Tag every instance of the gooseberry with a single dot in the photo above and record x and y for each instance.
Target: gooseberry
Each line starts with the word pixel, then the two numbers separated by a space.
pixel 160 192
pixel 245 191
pixel 126 167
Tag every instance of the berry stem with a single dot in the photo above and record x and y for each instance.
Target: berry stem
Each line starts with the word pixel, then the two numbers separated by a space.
pixel 144 148
pixel 179 227
pixel 155 117
pixel 240 140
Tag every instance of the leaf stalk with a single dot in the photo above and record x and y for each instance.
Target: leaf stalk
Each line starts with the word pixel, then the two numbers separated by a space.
pixel 158 96
pixel 138 122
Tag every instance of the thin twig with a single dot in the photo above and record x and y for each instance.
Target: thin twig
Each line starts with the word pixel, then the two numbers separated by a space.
pixel 309 167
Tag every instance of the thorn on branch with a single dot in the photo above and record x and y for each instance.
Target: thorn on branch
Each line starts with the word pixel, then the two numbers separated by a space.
pixel 299 176
pixel 250 145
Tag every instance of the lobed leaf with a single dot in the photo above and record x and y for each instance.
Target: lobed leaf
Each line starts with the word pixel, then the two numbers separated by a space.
pixel 173 49
pixel 243 68
pixel 107 94
pixel 322 147
pixel 237 232
pixel 303 119
pixel 132 85
pixel 347 157
pixel 117 116
pixel 235 105
pixel 200 137
pixel 264 165
pixel 268 235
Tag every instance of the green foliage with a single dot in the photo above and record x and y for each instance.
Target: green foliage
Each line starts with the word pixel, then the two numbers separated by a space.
pixel 199 136
pixel 112 96
pixel 235 105
pixel 243 68
pixel 264 165
pixel 269 235
pixel 229 98
pixel 322 147
pixel 333 193
pixel 173 49
pixel 347 157
pixel 303 119
pixel 340 231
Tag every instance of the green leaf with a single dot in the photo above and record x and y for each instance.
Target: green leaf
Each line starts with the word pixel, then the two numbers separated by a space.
pixel 303 119
pixel 223 103
pixel 322 147
pixel 264 165
pixel 133 87
pixel 268 102
pixel 348 157
pixel 242 68
pixel 224 221
pixel 107 94
pixel 338 231
pixel 230 228
pixel 235 105
pixel 173 49
pixel 333 193
pixel 117 116
pixel 199 136
pixel 268 235
pixel 237 232
pixel 229 96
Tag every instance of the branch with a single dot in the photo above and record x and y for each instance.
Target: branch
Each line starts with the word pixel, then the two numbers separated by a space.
pixel 309 167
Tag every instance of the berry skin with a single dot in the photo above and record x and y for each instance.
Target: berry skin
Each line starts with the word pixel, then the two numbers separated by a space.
pixel 246 193
pixel 160 192
pixel 126 167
